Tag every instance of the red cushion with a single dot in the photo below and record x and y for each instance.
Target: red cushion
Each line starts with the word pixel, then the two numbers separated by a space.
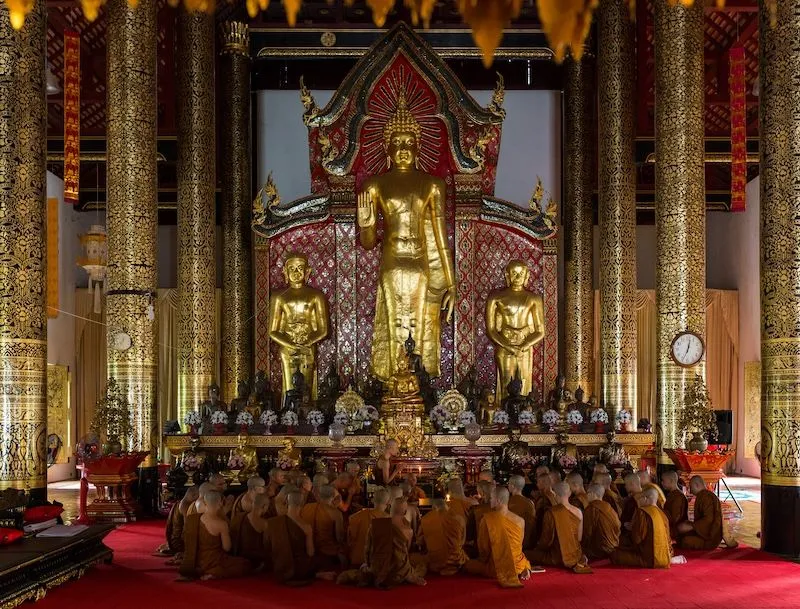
pixel 42 513
pixel 9 536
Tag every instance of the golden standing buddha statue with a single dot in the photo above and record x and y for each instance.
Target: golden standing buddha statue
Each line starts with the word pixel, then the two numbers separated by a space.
pixel 514 323
pixel 416 278
pixel 299 319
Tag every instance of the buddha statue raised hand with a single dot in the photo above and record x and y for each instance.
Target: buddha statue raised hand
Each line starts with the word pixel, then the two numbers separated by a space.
pixel 416 277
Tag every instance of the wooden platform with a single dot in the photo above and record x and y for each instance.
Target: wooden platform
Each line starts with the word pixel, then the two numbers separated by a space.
pixel 28 569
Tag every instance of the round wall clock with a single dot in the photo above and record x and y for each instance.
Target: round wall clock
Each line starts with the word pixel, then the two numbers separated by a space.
pixel 120 341
pixel 687 349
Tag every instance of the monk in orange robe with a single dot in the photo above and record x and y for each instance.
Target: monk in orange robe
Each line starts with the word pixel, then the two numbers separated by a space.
pixel 327 523
pixel 650 546
pixel 207 543
pixel 359 523
pixel 248 530
pixel 244 502
pixel 705 531
pixel 524 508
pixel 174 530
pixel 559 542
pixel 459 504
pixel 646 483
pixel 277 478
pixel 577 496
pixel 443 535
pixel 478 511
pixel 290 544
pixel 601 526
pixel 545 499
pixel 540 469
pixel 415 493
pixel 676 506
pixel 631 502
pixel 500 552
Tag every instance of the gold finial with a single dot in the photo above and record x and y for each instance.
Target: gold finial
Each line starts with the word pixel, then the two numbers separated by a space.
pixel 266 200
pixel 496 105
pixel 401 121
pixel 310 109
pixel 235 38
pixel 536 198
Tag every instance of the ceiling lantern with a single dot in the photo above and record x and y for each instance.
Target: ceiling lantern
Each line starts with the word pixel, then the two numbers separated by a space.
pixel 95 260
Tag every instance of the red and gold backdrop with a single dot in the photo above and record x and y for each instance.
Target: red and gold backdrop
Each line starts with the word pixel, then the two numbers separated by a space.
pixel 460 143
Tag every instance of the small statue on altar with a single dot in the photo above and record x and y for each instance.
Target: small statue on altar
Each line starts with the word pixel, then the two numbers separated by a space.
pixel 329 390
pixel 299 320
pixel 514 403
pixel 514 452
pixel 488 406
pixel 248 455
pixel 293 399
pixel 559 398
pixel 514 323
pixel 239 403
pixel 213 403
pixel 423 378
pixel 591 406
pixel 253 406
pixel 373 391
pixel 579 404
pixel 289 456
pixel 194 459
pixel 468 387
pixel 403 384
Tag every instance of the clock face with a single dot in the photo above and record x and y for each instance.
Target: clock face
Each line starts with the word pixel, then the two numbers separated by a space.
pixel 121 341
pixel 687 349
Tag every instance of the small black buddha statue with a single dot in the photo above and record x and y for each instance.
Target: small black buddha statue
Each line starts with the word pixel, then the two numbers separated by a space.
pixel 213 403
pixel 328 392
pixel 262 390
pixel 468 387
pixel 513 452
pixel 293 399
pixel 514 403
pixel 239 403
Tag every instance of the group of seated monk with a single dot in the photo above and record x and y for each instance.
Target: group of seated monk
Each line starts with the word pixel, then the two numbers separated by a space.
pixel 301 529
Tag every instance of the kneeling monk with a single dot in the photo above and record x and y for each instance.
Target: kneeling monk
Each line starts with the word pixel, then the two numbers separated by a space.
pixel 649 536
pixel 290 542
pixel 443 535
pixel 500 545
pixel 359 523
pixel 560 539
pixel 175 521
pixel 705 531
pixel 208 541
pixel 327 523
pixel 522 507
pixel 248 530
pixel 601 525
pixel 676 506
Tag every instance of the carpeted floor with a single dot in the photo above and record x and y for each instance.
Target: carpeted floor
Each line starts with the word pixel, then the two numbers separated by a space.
pixel 724 579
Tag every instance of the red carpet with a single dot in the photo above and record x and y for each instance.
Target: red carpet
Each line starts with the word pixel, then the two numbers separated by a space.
pixel 724 579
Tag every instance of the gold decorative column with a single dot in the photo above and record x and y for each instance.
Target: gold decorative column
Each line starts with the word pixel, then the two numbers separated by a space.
pixel 237 311
pixel 680 201
pixel 23 321
pixel 617 206
pixel 196 208
pixel 131 210
pixel 780 278
pixel 578 224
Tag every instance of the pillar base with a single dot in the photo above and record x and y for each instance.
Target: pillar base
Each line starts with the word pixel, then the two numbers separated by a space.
pixel 780 520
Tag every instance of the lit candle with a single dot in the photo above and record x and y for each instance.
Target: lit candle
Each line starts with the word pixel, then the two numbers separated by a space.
pixel 419 469
pixel 447 498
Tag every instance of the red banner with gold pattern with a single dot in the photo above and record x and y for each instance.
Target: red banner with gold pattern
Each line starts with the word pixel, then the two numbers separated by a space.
pixel 72 115
pixel 737 85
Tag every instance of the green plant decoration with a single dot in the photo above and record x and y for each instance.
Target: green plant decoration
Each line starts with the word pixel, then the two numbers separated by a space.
pixel 696 414
pixel 112 415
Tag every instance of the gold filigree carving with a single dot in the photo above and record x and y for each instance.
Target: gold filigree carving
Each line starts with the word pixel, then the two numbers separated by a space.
pixel 498 96
pixel 310 108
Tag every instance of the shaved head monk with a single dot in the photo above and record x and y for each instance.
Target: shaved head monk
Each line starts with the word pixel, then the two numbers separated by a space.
pixel 559 542
pixel 629 505
pixel 175 521
pixel 646 483
pixel 458 503
pixel 327 523
pixel 705 531
pixel 244 502
pixel 524 508
pixel 676 506
pixel 248 529
pixel 540 469
pixel 291 544
pixel 208 541
pixel 443 535
pixel 649 543
pixel 478 511
pixel 601 525
pixel 545 499
pixel 500 552
pixel 577 496
pixel 360 522
pixel 610 495
pixel 199 505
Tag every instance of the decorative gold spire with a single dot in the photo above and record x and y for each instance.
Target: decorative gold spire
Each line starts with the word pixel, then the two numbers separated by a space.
pixel 235 38
pixel 401 121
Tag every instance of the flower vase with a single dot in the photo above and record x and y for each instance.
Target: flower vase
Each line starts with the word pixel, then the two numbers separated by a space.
pixel 698 442
pixel 267 431
pixel 599 427
pixel 315 430
pixel 243 429
pixel 219 429
pixel 624 427
pixel 551 428
pixel 192 430
pixel 235 477
pixel 574 428
pixel 290 430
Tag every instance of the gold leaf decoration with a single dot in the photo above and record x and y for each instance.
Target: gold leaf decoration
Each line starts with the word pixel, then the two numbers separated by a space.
pixel 488 19
pixel 380 10
pixel 420 10
pixel 292 8
pixel 18 10
pixel 567 24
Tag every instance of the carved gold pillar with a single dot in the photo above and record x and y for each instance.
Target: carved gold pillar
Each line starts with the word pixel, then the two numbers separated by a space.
pixel 680 201
pixel 23 321
pixel 196 208
pixel 780 278
pixel 578 223
pixel 237 312
pixel 131 212
pixel 617 206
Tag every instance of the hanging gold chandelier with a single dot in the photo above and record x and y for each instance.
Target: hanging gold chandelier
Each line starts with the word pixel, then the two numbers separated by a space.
pixel 565 22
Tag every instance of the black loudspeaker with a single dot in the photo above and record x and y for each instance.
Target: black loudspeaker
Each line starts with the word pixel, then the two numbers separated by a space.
pixel 724 427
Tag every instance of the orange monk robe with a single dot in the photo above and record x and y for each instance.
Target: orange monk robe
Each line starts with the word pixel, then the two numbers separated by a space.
pixel 444 536
pixel 387 555
pixel 460 507
pixel 676 508
pixel 286 544
pixel 474 517
pixel 415 494
pixel 525 509
pixel 558 544
pixel 601 528
pixel 612 499
pixel 651 546
pixel 203 554
pixel 661 498
pixel 629 507
pixel 500 552
pixel 579 500
pixel 174 530
pixel 357 530
pixel 325 521
pixel 246 541
pixel 544 501
pixel 707 523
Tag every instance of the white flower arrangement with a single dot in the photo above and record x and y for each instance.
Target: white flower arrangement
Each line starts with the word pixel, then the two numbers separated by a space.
pixel 551 417
pixel 618 459
pixel 315 418
pixel 341 418
pixel 567 461
pixel 623 417
pixel 190 463
pixel 268 418
pixel 235 462
pixel 192 418
pixel 465 417
pixel 219 417
pixel 574 417
pixel 289 418
pixel 599 416
pixel 526 417
pixel 368 413
pixel 500 417
pixel 438 415
pixel 244 418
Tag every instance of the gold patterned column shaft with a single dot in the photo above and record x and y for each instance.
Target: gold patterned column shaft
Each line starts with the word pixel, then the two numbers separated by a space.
pixel 578 224
pixel 617 206
pixel 131 209
pixel 779 48
pixel 237 312
pixel 680 201
pixel 23 321
pixel 196 208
